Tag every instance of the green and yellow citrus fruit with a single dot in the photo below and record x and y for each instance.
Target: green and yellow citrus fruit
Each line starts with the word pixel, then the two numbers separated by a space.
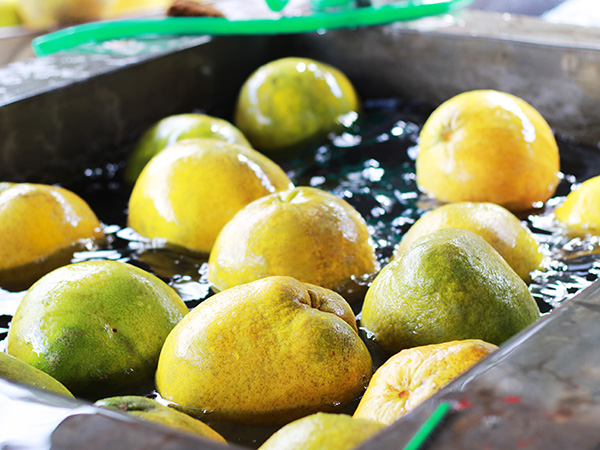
pixel 488 146
pixel 449 285
pixel 290 102
pixel 498 226
pixel 265 353
pixel 323 431
pixel 14 369
pixel 96 326
pixel 147 409
pixel 175 128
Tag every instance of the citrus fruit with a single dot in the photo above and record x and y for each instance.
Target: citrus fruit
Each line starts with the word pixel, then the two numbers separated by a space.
pixel 305 233
pixel 449 285
pixel 488 146
pixel 14 369
pixel 190 190
pixel 580 212
pixel 291 101
pixel 265 353
pixel 95 326
pixel 323 431
pixel 498 226
pixel 38 220
pixel 147 409
pixel 9 15
pixel 413 375
pixel 175 128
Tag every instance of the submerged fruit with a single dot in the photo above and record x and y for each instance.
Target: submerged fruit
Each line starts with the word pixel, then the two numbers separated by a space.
pixel 488 146
pixel 14 369
pixel 498 226
pixel 323 431
pixel 96 326
pixel 293 101
pixel 175 128
pixel 413 375
pixel 580 212
pixel 449 285
pixel 147 409
pixel 305 233
pixel 38 220
pixel 189 191
pixel 265 352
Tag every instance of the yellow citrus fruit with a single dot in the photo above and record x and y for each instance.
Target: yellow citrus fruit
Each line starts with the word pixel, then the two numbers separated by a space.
pixel 265 353
pixel 176 128
pixel 305 233
pixel 413 375
pixel 38 220
pixel 14 369
pixel 9 14
pixel 290 102
pixel 498 226
pixel 449 285
pixel 147 409
pixel 488 146
pixel 580 212
pixel 96 326
pixel 323 431
pixel 190 190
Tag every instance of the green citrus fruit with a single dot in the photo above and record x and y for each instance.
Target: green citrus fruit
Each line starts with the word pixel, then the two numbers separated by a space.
pixel 449 285
pixel 293 101
pixel 14 369
pixel 175 128
pixel 265 353
pixel 96 326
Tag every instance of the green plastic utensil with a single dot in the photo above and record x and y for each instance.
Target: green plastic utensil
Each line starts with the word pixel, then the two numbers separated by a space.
pixel 350 17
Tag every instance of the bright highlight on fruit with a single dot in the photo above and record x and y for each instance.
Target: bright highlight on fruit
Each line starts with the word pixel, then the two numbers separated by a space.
pixel 488 146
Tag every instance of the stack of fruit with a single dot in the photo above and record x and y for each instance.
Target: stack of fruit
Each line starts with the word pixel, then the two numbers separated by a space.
pixel 279 343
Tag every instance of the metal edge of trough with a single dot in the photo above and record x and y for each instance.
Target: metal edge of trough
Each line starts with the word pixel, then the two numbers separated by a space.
pixel 543 386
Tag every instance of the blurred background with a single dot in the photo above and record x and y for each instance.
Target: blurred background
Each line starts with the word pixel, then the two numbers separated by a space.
pixel 22 20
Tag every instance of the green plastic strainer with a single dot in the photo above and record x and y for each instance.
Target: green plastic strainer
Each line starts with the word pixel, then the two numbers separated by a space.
pixel 321 19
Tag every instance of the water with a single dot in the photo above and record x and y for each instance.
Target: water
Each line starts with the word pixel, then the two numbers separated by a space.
pixel 372 166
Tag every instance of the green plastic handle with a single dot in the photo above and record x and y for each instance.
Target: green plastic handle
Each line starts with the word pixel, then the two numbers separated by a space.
pixel 72 37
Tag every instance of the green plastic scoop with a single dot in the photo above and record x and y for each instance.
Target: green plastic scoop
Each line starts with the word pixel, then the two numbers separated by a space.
pixel 351 17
